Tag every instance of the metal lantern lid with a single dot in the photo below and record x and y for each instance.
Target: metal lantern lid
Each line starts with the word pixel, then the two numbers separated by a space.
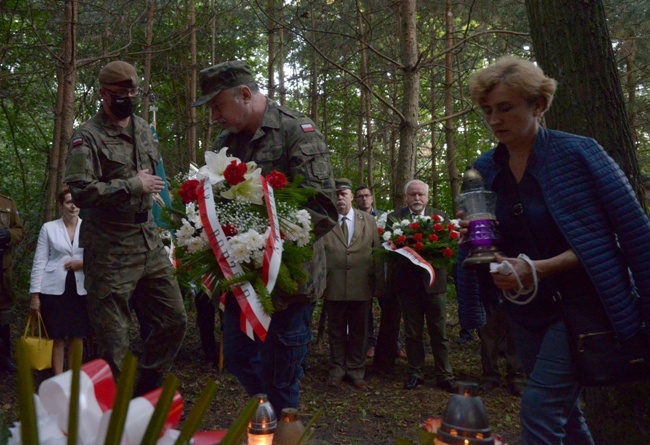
pixel 472 181
pixel 465 420
pixel 265 420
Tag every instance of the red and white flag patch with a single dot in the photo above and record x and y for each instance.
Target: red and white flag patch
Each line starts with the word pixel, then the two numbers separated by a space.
pixel 76 142
pixel 307 128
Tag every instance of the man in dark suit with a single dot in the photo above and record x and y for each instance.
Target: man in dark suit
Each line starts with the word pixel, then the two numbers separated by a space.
pixel 353 279
pixel 418 301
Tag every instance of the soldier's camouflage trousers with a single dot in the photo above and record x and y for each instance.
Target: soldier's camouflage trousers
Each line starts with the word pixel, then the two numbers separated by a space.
pixel 116 283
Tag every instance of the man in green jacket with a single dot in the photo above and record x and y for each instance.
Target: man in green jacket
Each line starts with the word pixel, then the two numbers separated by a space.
pixel 110 169
pixel 274 137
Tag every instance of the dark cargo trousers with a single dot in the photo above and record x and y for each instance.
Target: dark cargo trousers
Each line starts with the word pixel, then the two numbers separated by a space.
pixel 147 279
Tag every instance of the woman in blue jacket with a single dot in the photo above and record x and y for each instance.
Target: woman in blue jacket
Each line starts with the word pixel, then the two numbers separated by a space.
pixel 564 204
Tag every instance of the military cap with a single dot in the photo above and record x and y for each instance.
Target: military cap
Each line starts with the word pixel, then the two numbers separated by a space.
pixel 343 183
pixel 119 73
pixel 220 77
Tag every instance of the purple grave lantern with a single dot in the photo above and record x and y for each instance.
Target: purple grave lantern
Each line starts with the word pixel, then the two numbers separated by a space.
pixel 479 206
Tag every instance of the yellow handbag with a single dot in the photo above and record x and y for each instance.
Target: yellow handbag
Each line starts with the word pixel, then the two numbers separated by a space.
pixel 37 343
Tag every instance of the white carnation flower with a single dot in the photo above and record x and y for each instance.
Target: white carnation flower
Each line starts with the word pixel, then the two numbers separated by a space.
pixel 398 232
pixel 386 236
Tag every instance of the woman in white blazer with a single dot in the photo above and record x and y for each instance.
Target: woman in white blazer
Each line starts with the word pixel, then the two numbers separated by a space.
pixel 57 281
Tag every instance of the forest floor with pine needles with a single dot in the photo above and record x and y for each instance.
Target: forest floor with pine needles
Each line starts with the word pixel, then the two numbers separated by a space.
pixel 376 417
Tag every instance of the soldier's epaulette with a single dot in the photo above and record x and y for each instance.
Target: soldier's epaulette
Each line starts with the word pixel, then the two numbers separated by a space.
pixel 292 113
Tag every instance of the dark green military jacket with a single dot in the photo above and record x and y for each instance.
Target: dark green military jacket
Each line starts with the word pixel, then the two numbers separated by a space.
pixel 10 220
pixel 289 142
pixel 101 168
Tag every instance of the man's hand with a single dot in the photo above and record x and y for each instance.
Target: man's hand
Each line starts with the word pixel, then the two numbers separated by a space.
pixel 150 183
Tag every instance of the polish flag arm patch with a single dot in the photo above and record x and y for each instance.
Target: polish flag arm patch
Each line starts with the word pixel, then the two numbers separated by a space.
pixel 307 128
pixel 76 142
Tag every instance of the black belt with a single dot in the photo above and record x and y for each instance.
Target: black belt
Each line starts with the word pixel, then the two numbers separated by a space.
pixel 120 217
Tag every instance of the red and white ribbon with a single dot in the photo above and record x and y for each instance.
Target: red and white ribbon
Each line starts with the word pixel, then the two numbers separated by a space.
pixel 414 258
pixel 256 320
pixel 273 248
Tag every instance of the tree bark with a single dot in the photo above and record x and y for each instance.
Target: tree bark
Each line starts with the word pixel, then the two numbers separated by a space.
pixel 450 129
pixel 67 76
pixel 573 46
pixel 410 103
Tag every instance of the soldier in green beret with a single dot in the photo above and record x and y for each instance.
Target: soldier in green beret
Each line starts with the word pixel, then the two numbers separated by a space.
pixel 11 233
pixel 274 137
pixel 110 169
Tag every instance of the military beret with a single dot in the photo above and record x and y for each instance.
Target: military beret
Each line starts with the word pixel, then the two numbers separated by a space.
pixel 220 77
pixel 343 183
pixel 119 73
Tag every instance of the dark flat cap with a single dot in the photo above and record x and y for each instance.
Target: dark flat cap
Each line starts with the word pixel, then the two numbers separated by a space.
pixel 119 73
pixel 343 183
pixel 220 77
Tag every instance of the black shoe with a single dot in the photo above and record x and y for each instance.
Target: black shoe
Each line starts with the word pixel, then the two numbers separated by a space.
pixel 7 365
pixel 412 382
pixel 447 385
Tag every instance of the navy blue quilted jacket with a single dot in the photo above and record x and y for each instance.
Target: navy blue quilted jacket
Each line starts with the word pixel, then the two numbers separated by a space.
pixel 594 206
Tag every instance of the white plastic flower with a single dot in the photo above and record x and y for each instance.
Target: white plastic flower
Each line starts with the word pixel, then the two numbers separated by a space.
pixel 381 221
pixel 197 243
pixel 239 250
pixel 215 165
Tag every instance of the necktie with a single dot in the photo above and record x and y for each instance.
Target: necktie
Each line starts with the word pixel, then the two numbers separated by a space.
pixel 344 229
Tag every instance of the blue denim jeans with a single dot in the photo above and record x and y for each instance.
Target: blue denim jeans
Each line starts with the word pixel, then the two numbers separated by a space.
pixel 550 413
pixel 273 367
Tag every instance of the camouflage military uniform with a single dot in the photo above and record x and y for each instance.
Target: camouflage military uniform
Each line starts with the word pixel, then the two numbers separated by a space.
pixel 124 258
pixel 12 233
pixel 290 143
pixel 10 221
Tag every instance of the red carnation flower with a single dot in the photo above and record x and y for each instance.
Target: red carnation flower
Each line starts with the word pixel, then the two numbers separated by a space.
pixel 438 227
pixel 437 218
pixel 451 227
pixel 433 238
pixel 188 191
pixel 454 235
pixel 276 179
pixel 417 236
pixel 447 252
pixel 234 172
pixel 401 239
pixel 414 225
pixel 380 231
pixel 229 230
pixel 418 246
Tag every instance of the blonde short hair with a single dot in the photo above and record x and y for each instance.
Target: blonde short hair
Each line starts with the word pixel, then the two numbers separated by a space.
pixel 522 75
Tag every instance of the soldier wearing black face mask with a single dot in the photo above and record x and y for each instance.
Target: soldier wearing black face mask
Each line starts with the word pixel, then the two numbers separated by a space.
pixel 110 170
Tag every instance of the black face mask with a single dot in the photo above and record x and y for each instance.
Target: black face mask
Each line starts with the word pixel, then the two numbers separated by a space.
pixel 121 107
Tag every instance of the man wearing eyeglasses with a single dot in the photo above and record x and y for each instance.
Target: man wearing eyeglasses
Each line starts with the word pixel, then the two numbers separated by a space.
pixel 110 168
pixel 364 199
